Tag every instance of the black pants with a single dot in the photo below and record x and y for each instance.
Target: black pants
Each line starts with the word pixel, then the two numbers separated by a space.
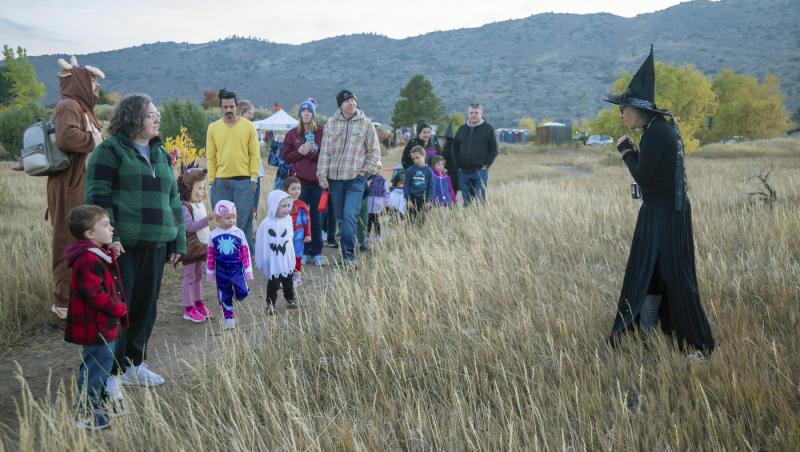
pixel 374 220
pixel 418 212
pixel 275 283
pixel 141 272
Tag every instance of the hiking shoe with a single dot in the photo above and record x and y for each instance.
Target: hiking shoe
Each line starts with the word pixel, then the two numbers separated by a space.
pixel 60 312
pixel 319 260
pixel 202 309
pixel 94 421
pixel 140 376
pixel 229 324
pixel 333 245
pixel 297 281
pixel 113 388
pixel 291 304
pixel 193 315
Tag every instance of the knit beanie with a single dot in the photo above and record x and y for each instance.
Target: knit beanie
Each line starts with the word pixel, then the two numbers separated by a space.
pixel 310 105
pixel 224 208
pixel 343 96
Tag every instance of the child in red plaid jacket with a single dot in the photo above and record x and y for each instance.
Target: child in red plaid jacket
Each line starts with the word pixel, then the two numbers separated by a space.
pixel 97 309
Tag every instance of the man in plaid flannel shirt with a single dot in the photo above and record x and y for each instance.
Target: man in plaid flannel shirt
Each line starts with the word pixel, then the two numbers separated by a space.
pixel 350 153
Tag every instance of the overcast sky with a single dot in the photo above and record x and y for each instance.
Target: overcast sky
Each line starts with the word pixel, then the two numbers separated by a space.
pixel 58 26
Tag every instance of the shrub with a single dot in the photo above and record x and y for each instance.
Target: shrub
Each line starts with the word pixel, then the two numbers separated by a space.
pixel 177 114
pixel 13 122
pixel 103 112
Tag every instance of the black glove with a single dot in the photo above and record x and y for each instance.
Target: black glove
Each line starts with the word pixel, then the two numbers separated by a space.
pixel 625 145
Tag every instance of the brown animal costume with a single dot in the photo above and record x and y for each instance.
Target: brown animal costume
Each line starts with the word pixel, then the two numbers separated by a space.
pixel 77 134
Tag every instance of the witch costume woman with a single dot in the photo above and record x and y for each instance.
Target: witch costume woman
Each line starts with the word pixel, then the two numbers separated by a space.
pixel 660 279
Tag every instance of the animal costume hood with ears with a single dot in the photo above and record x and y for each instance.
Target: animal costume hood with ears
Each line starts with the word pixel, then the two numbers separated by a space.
pixel 274 250
pixel 75 82
pixel 187 180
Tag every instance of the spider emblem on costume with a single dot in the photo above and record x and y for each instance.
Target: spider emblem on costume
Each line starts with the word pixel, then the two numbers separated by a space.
pixel 226 246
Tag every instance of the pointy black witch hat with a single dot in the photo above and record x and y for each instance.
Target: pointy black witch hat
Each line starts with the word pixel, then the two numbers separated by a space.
pixel 641 92
pixel 449 132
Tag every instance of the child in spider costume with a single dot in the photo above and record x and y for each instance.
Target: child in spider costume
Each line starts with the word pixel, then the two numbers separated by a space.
pixel 274 249
pixel 301 222
pixel 228 260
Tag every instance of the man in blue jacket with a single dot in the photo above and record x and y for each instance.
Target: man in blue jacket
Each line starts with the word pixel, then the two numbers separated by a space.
pixel 474 151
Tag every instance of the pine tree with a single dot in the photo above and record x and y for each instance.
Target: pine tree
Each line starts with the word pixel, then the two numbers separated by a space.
pixel 417 102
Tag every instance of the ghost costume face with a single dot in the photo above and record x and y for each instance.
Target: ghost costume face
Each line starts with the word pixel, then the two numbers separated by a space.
pixel 274 250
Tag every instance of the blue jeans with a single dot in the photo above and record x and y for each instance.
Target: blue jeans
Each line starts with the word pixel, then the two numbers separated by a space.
pixel 310 194
pixel 95 369
pixel 473 185
pixel 240 193
pixel 256 195
pixel 347 196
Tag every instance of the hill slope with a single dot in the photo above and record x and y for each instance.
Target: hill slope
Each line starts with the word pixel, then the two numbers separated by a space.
pixel 545 66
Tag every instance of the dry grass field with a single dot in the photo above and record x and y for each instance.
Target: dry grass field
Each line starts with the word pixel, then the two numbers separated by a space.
pixel 482 331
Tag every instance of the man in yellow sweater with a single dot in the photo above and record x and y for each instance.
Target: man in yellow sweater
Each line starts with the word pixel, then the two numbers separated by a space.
pixel 233 158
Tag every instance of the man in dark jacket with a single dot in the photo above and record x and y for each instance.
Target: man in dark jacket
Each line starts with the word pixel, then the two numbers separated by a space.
pixel 474 151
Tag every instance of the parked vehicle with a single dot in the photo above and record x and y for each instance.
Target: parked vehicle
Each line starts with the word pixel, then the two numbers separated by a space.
pixel 599 140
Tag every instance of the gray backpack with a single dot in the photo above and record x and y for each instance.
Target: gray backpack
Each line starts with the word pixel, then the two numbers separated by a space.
pixel 40 154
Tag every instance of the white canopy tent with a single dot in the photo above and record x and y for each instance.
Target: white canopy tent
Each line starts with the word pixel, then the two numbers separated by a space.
pixel 280 120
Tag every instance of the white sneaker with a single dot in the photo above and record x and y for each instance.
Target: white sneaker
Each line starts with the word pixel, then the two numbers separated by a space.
pixel 229 324
pixel 113 389
pixel 140 376
pixel 60 312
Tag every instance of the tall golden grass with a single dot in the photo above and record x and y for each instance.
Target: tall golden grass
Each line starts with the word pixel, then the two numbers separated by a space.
pixel 25 241
pixel 487 331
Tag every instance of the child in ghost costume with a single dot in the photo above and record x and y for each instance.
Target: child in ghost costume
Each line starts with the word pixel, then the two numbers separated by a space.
pixel 274 249
pixel 228 260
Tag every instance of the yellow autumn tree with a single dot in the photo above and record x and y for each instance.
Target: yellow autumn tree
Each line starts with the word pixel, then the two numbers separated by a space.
pixel 748 108
pixel 183 150
pixel 527 123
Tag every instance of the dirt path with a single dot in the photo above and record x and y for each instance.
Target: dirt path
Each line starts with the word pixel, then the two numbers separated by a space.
pixel 46 358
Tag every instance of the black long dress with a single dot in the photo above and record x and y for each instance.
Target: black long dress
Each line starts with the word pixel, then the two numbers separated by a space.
pixel 661 259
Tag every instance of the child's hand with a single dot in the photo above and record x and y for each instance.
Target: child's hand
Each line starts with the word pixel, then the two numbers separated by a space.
pixel 307 239
pixel 427 205
pixel 410 205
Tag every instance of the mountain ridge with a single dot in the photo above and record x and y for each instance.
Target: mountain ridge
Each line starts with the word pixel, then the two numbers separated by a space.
pixel 549 65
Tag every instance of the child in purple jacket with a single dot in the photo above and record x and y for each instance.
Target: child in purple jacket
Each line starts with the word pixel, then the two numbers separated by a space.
pixel 443 193
pixel 377 200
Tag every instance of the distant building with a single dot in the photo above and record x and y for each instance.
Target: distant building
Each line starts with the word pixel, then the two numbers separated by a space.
pixel 554 134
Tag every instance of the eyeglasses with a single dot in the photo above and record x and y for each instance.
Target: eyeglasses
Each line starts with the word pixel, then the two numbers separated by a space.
pixel 154 116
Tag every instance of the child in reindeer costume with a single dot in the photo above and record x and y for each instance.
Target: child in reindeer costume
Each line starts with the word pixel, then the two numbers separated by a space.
pixel 192 187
